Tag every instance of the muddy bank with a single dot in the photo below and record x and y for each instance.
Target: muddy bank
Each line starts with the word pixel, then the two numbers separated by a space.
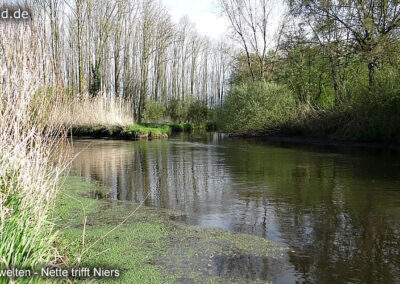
pixel 153 246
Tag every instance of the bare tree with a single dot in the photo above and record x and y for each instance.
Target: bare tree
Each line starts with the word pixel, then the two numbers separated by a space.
pixel 249 21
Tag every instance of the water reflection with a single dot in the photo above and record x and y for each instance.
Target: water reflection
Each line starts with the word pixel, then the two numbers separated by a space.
pixel 337 209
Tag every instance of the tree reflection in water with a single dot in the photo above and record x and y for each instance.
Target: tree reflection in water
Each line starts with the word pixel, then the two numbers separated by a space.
pixel 338 209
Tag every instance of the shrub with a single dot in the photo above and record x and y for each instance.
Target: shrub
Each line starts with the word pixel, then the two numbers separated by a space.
pixel 188 126
pixel 197 112
pixel 176 127
pixel 177 110
pixel 155 111
pixel 253 107
pixel 372 114
pixel 376 110
pixel 211 126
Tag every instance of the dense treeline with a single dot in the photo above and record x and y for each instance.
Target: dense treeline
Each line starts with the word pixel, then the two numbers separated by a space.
pixel 130 51
pixel 330 68
pixel 340 61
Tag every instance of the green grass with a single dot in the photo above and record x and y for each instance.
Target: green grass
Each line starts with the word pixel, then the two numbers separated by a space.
pixel 25 239
pixel 146 130
pixel 139 130
pixel 150 247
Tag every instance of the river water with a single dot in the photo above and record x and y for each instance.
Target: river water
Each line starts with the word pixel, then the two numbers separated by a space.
pixel 337 209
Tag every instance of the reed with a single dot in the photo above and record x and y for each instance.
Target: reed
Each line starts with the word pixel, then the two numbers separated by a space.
pixel 89 111
pixel 30 160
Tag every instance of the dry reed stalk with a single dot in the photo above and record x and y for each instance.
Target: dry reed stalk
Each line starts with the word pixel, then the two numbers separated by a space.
pixel 100 110
pixel 29 170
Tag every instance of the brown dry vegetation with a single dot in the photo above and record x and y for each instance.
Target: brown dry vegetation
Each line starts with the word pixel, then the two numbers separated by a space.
pixel 29 140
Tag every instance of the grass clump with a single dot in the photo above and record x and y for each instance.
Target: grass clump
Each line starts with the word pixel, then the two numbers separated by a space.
pixel 25 241
pixel 146 131
pixel 28 178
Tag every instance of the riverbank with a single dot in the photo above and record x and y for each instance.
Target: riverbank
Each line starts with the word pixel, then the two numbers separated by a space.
pixel 265 109
pixel 138 130
pixel 330 128
pixel 304 140
pixel 152 246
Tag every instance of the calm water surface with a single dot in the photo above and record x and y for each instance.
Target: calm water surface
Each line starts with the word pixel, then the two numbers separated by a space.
pixel 336 208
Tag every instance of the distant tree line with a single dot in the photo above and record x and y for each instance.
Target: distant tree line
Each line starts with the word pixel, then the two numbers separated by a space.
pixel 340 60
pixel 129 51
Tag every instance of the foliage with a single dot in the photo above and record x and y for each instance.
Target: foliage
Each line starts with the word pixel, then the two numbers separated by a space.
pixel 372 114
pixel 256 107
pixel 305 72
pixel 344 78
pixel 187 126
pixel 191 109
pixel 241 72
pixel 155 111
pixel 177 110
pixel 147 130
pixel 211 126
pixel 197 112
pixel 376 108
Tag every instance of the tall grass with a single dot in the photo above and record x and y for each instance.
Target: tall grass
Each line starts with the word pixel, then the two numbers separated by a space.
pixel 29 168
pixel 88 111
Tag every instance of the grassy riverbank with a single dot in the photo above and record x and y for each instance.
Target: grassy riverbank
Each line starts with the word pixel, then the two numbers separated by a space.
pixel 150 247
pixel 138 130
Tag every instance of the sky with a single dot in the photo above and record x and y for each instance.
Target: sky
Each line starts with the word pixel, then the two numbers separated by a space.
pixel 206 17
pixel 201 12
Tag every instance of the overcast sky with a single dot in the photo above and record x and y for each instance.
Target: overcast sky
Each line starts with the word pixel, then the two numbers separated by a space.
pixel 204 14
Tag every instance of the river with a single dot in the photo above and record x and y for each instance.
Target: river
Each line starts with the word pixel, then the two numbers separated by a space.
pixel 337 209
